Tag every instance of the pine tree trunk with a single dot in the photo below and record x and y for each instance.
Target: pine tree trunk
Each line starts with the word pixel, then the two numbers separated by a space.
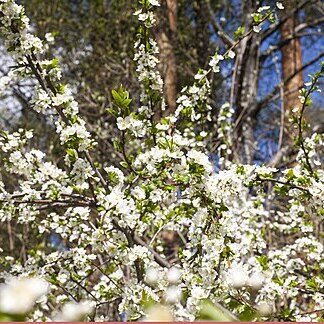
pixel 167 42
pixel 291 54
pixel 202 40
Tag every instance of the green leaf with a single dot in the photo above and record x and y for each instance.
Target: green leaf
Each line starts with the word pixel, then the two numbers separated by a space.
pixel 5 318
pixel 60 88
pixel 117 145
pixel 71 152
pixel 240 169
pixel 311 283
pixel 308 101
pixel 286 313
pixel 54 64
pixel 248 314
pixel 278 280
pixel 290 175
pixel 121 98
pixel 211 312
pixel 239 32
pixel 222 208
pixel 116 96
pixel 124 164
pixel 281 189
pixel 263 260
pixel 257 17
pixel 112 111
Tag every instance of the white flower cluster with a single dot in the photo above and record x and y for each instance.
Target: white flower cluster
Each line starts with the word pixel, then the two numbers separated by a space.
pixel 146 52
pixel 191 98
pixel 6 80
pixel 18 296
pixel 134 125
pixel 214 62
pixel 224 122
pixel 14 27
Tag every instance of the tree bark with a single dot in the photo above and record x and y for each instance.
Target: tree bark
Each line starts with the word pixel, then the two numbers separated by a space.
pixel 168 63
pixel 202 22
pixel 245 83
pixel 291 54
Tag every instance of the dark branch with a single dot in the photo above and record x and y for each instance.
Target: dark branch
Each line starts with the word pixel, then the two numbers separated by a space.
pixel 218 28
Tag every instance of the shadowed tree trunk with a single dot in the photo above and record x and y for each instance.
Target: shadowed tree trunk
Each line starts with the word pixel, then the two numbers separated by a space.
pixel 167 43
pixel 202 21
pixel 246 78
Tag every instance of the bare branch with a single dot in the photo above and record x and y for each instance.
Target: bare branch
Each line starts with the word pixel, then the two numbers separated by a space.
pixel 218 28
pixel 271 95
pixel 309 24
pixel 274 27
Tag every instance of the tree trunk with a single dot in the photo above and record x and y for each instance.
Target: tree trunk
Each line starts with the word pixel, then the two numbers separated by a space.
pixel 168 63
pixel 202 22
pixel 291 63
pixel 245 83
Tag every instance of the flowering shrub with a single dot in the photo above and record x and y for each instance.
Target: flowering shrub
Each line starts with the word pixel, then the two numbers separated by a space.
pixel 237 251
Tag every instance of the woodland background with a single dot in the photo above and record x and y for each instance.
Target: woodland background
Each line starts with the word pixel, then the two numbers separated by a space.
pixel 94 44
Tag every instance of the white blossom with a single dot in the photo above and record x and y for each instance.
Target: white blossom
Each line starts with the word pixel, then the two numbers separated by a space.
pixel 154 3
pixel 280 5
pixel 72 312
pixel 19 295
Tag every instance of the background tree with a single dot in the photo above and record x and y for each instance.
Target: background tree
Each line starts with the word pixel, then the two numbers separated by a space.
pixel 94 41
pixel 95 51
